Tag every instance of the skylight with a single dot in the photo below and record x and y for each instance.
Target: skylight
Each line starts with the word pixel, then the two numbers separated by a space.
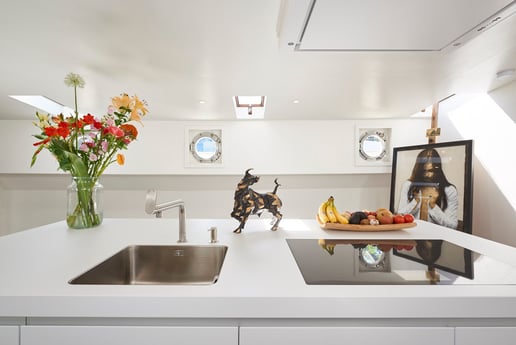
pixel 44 103
pixel 249 107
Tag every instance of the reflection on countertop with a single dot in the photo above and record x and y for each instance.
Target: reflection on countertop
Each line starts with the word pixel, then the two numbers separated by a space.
pixel 395 262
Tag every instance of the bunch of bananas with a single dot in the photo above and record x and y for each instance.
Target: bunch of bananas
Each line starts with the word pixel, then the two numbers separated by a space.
pixel 328 213
pixel 329 247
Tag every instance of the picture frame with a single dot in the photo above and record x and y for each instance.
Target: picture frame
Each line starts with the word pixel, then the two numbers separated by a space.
pixel 443 194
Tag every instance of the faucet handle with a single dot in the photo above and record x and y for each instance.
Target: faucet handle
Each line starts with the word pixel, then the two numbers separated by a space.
pixel 150 201
pixel 213 234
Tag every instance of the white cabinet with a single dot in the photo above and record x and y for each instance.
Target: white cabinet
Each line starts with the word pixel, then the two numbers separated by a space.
pixel 9 335
pixel 346 335
pixel 127 335
pixel 485 335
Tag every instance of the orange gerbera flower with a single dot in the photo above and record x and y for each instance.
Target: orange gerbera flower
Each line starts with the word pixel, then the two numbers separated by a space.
pixel 129 130
pixel 120 159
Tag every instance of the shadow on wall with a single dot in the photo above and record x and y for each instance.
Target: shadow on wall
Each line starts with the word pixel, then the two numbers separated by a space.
pixel 493 215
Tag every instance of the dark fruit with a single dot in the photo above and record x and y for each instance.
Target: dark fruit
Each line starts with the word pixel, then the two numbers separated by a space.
pixel 365 221
pixel 356 217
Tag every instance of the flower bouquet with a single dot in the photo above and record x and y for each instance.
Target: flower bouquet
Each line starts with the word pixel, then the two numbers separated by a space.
pixel 85 146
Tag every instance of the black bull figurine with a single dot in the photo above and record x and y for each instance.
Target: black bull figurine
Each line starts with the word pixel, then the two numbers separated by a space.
pixel 248 202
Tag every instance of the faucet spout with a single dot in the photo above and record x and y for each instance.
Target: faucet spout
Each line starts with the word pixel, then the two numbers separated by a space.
pixel 182 221
pixel 152 208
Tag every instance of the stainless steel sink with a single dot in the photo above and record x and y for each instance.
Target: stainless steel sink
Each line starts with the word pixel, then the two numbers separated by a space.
pixel 158 265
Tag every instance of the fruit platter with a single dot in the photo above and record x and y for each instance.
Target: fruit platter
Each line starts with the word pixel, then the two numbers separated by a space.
pixel 329 218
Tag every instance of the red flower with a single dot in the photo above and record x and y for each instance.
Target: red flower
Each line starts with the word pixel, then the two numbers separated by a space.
pixel 62 129
pixel 78 124
pixel 88 119
pixel 97 124
pixel 51 131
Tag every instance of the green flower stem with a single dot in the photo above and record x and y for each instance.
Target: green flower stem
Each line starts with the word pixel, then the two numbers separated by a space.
pixel 98 170
pixel 76 115
pixel 84 215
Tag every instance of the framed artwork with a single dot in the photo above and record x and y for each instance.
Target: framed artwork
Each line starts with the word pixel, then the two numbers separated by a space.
pixel 434 183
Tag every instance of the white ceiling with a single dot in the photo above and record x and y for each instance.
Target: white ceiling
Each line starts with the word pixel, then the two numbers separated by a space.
pixel 175 53
pixel 395 25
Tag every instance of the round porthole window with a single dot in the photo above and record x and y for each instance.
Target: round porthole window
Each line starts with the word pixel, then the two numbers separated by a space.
pixel 372 146
pixel 206 147
pixel 372 256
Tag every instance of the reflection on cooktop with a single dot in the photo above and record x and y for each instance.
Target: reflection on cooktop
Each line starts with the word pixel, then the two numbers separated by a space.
pixel 395 262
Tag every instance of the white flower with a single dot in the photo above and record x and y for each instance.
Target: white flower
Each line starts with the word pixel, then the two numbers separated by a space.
pixel 74 80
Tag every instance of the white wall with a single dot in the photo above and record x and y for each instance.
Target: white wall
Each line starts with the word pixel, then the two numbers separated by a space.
pixel 312 159
pixel 325 166
pixel 40 199
pixel 270 147
pixel 505 97
pixel 490 205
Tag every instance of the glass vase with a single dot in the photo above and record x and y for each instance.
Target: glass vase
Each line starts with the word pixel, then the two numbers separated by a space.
pixel 84 207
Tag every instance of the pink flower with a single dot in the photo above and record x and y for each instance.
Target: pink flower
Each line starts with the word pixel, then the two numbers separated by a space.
pixel 104 146
pixel 110 121
pixel 84 147
pixel 93 157
pixel 115 131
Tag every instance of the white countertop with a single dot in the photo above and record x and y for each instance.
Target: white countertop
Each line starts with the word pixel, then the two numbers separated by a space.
pixel 259 278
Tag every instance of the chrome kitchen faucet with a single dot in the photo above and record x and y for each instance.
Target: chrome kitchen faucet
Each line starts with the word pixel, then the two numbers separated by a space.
pixel 152 208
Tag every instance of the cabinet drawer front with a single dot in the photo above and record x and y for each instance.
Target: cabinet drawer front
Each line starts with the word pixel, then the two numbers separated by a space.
pixel 125 335
pixel 346 335
pixel 9 335
pixel 484 335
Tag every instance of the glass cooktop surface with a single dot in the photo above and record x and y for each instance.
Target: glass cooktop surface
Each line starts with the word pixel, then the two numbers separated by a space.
pixel 396 262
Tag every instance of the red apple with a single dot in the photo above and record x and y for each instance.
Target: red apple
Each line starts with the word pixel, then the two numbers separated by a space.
pixel 383 211
pixel 409 218
pixel 385 219
pixel 398 219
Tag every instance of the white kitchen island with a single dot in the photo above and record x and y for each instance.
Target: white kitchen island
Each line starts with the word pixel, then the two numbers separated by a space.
pixel 260 297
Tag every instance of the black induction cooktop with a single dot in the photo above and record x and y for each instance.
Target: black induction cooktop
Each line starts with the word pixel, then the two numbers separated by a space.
pixel 396 262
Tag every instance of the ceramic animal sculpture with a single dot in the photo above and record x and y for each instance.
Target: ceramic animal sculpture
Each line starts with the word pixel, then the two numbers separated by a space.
pixel 248 202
